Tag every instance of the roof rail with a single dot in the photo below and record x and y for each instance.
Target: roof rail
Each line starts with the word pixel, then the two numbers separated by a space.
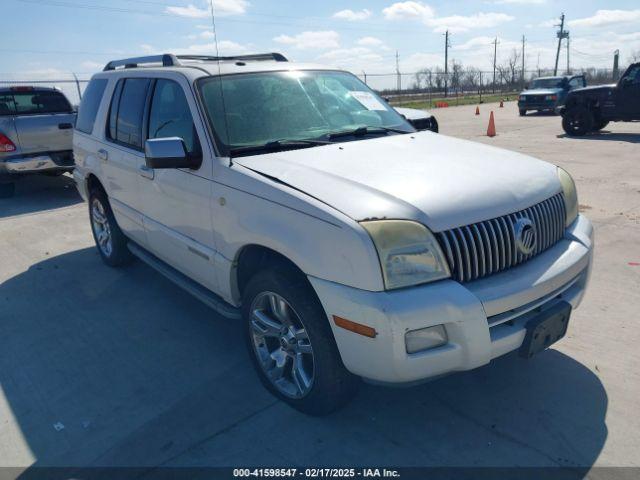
pixel 167 60
pixel 170 60
pixel 254 57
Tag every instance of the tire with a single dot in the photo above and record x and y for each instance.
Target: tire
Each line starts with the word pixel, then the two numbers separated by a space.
pixel 297 337
pixel 599 125
pixel 577 121
pixel 522 112
pixel 110 241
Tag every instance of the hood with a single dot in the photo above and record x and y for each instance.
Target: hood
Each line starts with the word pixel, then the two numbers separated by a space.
pixel 440 181
pixel 595 88
pixel 413 113
pixel 543 91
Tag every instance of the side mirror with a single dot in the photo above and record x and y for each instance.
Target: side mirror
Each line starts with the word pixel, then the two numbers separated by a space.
pixel 625 82
pixel 169 153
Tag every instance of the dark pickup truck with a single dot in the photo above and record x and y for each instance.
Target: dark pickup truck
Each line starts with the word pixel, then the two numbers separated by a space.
pixel 591 109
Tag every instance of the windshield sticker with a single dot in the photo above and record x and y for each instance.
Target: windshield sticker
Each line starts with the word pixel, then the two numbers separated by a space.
pixel 368 100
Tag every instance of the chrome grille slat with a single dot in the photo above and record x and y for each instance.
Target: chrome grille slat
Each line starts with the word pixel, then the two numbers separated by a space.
pixel 488 247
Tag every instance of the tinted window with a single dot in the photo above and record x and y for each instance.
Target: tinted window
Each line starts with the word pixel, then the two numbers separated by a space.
pixel 113 110
pixel 170 115
pixel 34 102
pixel 7 106
pixel 130 111
pixel 90 104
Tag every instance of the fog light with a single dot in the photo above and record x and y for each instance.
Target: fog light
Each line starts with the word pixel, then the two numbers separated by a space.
pixel 425 338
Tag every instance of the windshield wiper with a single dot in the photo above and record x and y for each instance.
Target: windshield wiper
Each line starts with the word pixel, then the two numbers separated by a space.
pixel 275 146
pixel 362 131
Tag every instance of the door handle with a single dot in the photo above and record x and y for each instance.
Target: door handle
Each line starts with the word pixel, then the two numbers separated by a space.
pixel 103 154
pixel 65 126
pixel 146 172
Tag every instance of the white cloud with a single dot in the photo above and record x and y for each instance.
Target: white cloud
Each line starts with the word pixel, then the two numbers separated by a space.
pixel 225 47
pixel 190 11
pixel 221 7
pixel 408 10
pixel 370 42
pixel 454 23
pixel 317 40
pixel 90 65
pixel 519 2
pixel 607 17
pixel 460 23
pixel 352 16
pixel 552 22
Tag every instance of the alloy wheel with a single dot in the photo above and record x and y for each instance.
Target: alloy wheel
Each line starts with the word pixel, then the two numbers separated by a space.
pixel 281 345
pixel 101 227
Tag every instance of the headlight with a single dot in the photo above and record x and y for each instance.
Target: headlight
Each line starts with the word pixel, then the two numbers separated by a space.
pixel 409 253
pixel 570 195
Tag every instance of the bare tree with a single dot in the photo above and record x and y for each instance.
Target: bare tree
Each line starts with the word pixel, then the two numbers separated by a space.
pixel 634 57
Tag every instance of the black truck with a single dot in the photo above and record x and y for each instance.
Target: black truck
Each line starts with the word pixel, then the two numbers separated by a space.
pixel 590 109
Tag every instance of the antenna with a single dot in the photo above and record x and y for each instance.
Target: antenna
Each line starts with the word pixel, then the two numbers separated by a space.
pixel 224 106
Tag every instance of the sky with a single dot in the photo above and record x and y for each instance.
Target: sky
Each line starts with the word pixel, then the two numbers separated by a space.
pixel 50 37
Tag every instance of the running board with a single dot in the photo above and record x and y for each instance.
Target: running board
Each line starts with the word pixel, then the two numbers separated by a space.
pixel 180 279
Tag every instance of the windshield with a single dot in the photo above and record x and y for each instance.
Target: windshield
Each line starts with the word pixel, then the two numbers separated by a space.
pixel 547 83
pixel 267 107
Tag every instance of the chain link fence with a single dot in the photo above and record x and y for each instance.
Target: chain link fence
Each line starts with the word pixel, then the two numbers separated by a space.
pixel 426 88
pixel 430 88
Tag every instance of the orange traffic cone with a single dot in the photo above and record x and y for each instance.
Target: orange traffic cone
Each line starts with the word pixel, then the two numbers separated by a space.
pixel 491 130
pixel 501 104
pixel 477 110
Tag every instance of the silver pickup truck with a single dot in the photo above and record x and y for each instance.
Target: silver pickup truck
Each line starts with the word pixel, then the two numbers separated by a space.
pixel 36 131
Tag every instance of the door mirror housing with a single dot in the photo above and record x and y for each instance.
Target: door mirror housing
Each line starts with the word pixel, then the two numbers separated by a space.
pixel 169 152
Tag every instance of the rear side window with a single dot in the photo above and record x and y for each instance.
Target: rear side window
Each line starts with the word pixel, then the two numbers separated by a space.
pixel 34 102
pixel 90 104
pixel 170 116
pixel 125 122
pixel 40 102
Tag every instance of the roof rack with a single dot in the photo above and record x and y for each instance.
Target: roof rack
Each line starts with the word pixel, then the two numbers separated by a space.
pixel 170 60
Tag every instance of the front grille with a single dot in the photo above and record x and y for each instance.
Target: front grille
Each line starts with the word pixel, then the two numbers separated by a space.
pixel 484 248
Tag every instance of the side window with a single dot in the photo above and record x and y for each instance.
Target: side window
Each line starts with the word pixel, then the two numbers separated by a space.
pixel 634 75
pixel 113 110
pixel 125 121
pixel 170 115
pixel 90 104
pixel 577 82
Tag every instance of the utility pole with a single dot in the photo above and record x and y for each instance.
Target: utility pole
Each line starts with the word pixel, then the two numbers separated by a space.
pixel 398 77
pixel 446 61
pixel 538 64
pixel 568 50
pixel 523 42
pixel 616 57
pixel 561 34
pixel 495 55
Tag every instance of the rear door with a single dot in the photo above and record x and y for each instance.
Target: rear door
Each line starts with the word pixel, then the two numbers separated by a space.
pixel 44 120
pixel 122 154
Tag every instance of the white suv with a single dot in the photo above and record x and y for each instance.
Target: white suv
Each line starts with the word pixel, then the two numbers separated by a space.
pixel 294 197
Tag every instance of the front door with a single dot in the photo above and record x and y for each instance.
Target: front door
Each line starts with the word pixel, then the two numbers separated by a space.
pixel 176 202
pixel 628 93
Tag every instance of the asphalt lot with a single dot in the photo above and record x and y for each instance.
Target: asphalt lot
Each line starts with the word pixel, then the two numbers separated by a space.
pixel 119 367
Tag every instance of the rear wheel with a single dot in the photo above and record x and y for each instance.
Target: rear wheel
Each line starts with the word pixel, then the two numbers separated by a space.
pixel 111 242
pixel 600 124
pixel 291 344
pixel 577 121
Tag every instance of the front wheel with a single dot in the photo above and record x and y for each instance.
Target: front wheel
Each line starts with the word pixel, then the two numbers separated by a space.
pixel 111 242
pixel 522 112
pixel 577 121
pixel 291 344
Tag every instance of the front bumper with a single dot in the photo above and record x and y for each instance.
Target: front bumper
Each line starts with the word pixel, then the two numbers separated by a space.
pixel 537 105
pixel 38 163
pixel 483 319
